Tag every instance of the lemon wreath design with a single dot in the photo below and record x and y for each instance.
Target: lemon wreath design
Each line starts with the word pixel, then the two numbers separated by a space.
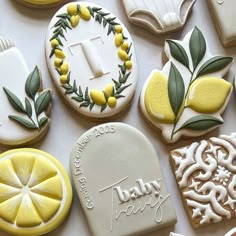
pixel 113 91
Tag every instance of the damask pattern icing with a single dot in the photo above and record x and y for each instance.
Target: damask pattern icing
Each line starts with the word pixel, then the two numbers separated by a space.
pixel 158 16
pixel 187 97
pixel 104 90
pixel 206 176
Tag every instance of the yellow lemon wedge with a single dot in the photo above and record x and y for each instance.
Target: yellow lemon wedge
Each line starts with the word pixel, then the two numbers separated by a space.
pixel 35 192
pixel 208 94
pixel 157 101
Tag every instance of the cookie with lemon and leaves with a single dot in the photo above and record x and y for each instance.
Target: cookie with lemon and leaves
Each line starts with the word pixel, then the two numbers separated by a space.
pixel 35 192
pixel 91 58
pixel 25 106
pixel 188 96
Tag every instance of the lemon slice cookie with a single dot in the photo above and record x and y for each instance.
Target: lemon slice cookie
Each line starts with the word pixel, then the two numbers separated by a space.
pixel 25 106
pixel 35 192
pixel 188 96
pixel 119 182
pixel 41 3
pixel 94 70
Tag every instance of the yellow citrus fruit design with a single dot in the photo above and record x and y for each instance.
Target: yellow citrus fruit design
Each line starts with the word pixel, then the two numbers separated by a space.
pixel 98 97
pixel 123 55
pixel 72 9
pixel 35 192
pixel 112 101
pixel 157 101
pixel 74 20
pixel 84 12
pixel 108 90
pixel 208 94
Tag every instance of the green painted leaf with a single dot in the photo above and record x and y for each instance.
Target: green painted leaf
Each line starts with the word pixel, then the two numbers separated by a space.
pixel 43 121
pixel 32 84
pixel 84 104
pixel 87 98
pixel 78 99
pixel 42 102
pixel 23 122
pixel 103 107
pixel 214 64
pixel 28 107
pixel 176 89
pixel 178 52
pixel 201 122
pixel 197 46
pixel 14 100
pixel 91 106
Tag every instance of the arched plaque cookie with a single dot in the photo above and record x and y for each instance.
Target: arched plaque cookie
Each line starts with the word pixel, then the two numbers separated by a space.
pixel 119 182
pixel 24 105
pixel 188 96
pixel 91 59
pixel 159 16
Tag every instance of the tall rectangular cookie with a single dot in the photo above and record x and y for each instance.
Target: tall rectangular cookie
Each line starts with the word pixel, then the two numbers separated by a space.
pixel 223 15
pixel 205 173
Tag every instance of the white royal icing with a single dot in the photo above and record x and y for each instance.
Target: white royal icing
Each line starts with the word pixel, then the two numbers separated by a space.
pixel 159 16
pixel 212 177
pixel 93 60
pixel 14 73
pixel 128 189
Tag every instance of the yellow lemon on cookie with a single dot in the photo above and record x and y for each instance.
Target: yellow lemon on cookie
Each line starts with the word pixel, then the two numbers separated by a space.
pixel 98 97
pixel 64 68
pixel 84 12
pixel 208 94
pixel 118 40
pixel 124 46
pixel 112 101
pixel 118 29
pixel 54 43
pixel 72 9
pixel 35 192
pixel 108 90
pixel 123 55
pixel 74 20
pixel 59 53
pixel 157 101
pixel 128 65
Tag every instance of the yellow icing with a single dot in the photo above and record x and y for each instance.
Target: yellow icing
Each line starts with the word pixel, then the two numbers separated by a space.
pixel 74 20
pixel 72 9
pixel 118 39
pixel 33 187
pixel 208 94
pixel 64 68
pixel 157 101
pixel 123 55
pixel 59 53
pixel 108 90
pixel 54 43
pixel 42 2
pixel 63 79
pixel 128 65
pixel 125 46
pixel 112 101
pixel 98 97
pixel 57 62
pixel 84 12
pixel 118 29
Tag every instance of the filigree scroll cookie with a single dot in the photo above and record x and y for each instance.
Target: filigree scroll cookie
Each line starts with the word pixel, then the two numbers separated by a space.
pixel 119 182
pixel 24 106
pixel 94 70
pixel 188 96
pixel 159 16
pixel 205 173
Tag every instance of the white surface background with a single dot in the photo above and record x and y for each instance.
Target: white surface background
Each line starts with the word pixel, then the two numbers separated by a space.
pixel 27 27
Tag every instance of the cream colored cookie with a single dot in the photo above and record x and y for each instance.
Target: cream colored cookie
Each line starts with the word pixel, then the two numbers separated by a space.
pixel 25 106
pixel 118 179
pixel 42 4
pixel 187 97
pixel 206 176
pixel 94 70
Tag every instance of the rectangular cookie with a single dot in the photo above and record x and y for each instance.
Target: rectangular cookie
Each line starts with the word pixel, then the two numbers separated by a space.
pixel 205 173
pixel 223 15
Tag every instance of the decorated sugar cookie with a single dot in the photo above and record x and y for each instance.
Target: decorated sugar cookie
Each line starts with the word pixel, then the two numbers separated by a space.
pixel 223 16
pixel 24 105
pixel 188 96
pixel 35 192
pixel 159 16
pixel 41 3
pixel 119 182
pixel 206 175
pixel 91 58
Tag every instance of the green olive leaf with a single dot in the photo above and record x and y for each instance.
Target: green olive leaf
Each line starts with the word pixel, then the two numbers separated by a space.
pixel 214 64
pixel 42 102
pixel 178 52
pixel 197 46
pixel 43 121
pixel 32 84
pixel 28 107
pixel 176 89
pixel 14 101
pixel 201 122
pixel 22 121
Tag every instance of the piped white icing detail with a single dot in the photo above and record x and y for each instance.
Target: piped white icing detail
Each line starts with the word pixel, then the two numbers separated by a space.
pixel 208 180
pixel 6 44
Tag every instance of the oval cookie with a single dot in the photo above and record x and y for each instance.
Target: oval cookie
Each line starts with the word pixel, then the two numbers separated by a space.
pixel 24 105
pixel 94 70
pixel 188 96
pixel 117 175
pixel 35 192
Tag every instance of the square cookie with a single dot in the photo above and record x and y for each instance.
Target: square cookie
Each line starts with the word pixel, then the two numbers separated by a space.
pixel 206 175
pixel 223 15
